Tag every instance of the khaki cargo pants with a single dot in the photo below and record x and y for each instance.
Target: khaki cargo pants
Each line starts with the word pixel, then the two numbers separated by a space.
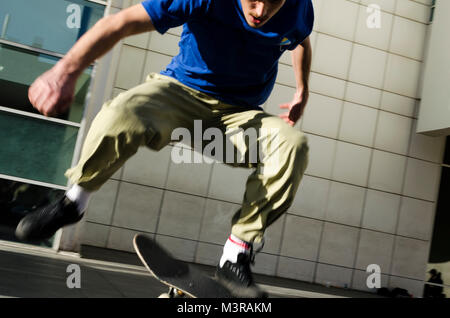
pixel 147 115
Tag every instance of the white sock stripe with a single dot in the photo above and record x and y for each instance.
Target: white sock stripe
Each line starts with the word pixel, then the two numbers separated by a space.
pixel 233 239
pixel 233 247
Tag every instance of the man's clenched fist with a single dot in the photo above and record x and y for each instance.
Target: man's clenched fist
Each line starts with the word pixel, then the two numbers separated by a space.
pixel 53 92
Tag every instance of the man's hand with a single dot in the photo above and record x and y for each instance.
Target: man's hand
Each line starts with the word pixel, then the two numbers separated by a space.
pixel 53 92
pixel 295 107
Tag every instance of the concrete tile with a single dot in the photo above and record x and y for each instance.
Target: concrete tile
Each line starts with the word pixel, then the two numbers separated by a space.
pixel 265 264
pixel 375 248
pixel 336 64
pixel 148 167
pixel 345 204
pixel 339 245
pixel 137 207
pixel 381 211
pixel 129 71
pixel 228 183
pixel 296 269
pixel 322 115
pixel 301 238
pixel 376 37
pixel 190 178
pixel 402 76
pixel 94 234
pixel 166 44
pixel 176 31
pixel 140 40
pixel 387 172
pixel 121 239
pixel 285 75
pixel 419 11
pixel 101 204
pixel 385 5
pixel 416 218
pixel 390 125
pixel 155 62
pixel 327 85
pixel 338 18
pixel 410 258
pixel 408 38
pixel 321 156
pixel 367 66
pixel 351 164
pixel 422 179
pixel 358 124
pixel 364 95
pixel 179 248
pixel 273 236
pixel 208 254
pixel 398 104
pixel 311 198
pixel 216 223
pixel 181 215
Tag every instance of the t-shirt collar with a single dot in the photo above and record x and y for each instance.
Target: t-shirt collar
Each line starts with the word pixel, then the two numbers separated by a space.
pixel 265 29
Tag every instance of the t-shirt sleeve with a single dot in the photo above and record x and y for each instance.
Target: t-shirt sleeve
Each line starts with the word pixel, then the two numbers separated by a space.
pixel 166 14
pixel 305 24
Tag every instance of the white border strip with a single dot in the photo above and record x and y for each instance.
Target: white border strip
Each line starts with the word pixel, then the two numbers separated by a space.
pixel 288 292
pixel 34 182
pixel 37 116
pixel 30 48
pixel 35 50
pixel 105 3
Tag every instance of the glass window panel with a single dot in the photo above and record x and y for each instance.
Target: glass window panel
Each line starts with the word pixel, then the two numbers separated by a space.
pixel 35 149
pixel 16 200
pixel 18 70
pixel 52 25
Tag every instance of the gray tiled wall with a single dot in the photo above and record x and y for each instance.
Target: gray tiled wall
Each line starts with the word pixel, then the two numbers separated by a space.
pixel 368 196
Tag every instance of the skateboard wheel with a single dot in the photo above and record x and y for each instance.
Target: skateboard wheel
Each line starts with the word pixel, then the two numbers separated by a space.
pixel 164 295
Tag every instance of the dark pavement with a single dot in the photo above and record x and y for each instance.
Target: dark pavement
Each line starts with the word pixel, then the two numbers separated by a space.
pixel 41 273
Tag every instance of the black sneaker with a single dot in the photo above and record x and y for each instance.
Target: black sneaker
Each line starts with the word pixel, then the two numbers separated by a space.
pixel 238 279
pixel 42 223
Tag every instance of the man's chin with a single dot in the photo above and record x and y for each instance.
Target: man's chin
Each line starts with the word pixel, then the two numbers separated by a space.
pixel 256 26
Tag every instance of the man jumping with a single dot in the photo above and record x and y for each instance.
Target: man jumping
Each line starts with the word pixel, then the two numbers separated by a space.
pixel 226 69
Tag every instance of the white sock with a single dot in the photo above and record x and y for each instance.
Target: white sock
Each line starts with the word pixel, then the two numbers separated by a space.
pixel 233 247
pixel 80 196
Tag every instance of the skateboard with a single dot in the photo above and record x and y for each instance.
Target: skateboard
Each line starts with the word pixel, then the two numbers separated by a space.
pixel 183 279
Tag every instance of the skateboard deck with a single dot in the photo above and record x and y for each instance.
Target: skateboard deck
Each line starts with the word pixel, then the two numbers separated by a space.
pixel 176 274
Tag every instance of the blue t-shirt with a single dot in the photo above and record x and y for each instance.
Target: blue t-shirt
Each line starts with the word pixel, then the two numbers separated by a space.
pixel 221 55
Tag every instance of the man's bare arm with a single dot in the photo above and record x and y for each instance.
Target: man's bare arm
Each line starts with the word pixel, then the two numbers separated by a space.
pixel 53 91
pixel 301 62
pixel 104 35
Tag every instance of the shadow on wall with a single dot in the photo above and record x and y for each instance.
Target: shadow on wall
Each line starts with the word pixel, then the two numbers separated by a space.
pixel 440 253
